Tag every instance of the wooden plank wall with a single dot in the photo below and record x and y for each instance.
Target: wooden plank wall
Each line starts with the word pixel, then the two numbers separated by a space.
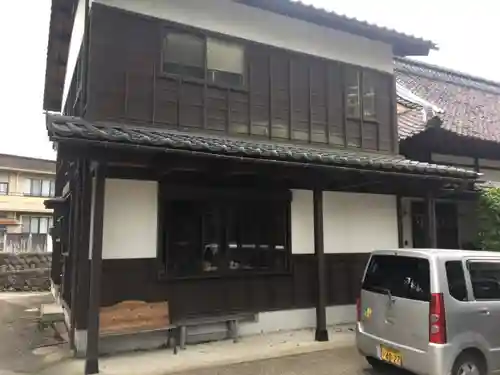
pixel 136 279
pixel 287 96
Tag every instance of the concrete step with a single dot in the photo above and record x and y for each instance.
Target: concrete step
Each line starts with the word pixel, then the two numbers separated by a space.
pixel 51 313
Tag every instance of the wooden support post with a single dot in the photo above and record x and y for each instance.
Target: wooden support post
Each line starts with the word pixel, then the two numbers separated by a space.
pixel 97 214
pixel 56 264
pixel 400 213
pixel 319 252
pixel 430 220
pixel 82 285
pixel 75 188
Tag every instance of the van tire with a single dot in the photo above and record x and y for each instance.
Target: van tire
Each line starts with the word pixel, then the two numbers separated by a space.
pixel 469 358
pixel 376 364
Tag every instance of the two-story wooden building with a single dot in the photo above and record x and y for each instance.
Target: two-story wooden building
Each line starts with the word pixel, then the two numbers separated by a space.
pixel 227 157
pixel 457 123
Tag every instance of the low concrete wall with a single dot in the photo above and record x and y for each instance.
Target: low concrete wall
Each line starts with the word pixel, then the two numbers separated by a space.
pixel 25 271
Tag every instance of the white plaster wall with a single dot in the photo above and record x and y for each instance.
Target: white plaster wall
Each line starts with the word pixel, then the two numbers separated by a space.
pixel 74 47
pixel 359 223
pixel 289 320
pixel 130 219
pixel 453 159
pixel 489 163
pixel 490 175
pixel 230 18
pixel 302 222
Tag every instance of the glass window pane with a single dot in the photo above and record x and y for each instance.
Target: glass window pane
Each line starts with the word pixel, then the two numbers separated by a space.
pixel 27 186
pixel 25 224
pixel 52 188
pixel 184 49
pixel 34 225
pixel 4 188
pixel 369 102
pixel 225 56
pixel 44 223
pixel 408 277
pixel 456 280
pixel 45 188
pixel 352 93
pixel 36 188
pixel 485 278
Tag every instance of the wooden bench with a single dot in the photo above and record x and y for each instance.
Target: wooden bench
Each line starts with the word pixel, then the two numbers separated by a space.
pixel 136 317
pixel 231 321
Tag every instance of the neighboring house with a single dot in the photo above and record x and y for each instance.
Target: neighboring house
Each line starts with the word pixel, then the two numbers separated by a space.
pixel 451 118
pixel 227 157
pixel 24 221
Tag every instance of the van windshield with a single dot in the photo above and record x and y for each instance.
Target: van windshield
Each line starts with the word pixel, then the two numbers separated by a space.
pixel 399 276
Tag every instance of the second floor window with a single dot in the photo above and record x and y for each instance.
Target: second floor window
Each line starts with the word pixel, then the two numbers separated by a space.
pixel 36 187
pixel 36 224
pixel 214 60
pixel 360 95
pixel 4 188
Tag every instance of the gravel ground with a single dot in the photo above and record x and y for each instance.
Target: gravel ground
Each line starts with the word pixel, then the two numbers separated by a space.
pixel 19 333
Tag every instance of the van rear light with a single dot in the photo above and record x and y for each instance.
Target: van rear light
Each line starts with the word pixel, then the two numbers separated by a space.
pixel 358 309
pixel 437 319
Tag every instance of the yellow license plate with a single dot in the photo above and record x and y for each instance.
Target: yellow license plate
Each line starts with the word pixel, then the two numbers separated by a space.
pixel 390 355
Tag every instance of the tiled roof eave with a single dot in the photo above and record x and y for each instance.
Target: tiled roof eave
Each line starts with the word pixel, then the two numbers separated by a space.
pixel 204 145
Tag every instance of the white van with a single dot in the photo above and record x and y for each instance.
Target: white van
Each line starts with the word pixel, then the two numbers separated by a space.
pixel 431 311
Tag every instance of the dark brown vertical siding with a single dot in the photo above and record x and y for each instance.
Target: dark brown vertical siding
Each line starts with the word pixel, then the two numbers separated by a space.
pixel 239 114
pixel 319 103
pixel 280 85
pixel 235 294
pixel 167 102
pixel 258 60
pixel 386 124
pixel 286 96
pixel 336 131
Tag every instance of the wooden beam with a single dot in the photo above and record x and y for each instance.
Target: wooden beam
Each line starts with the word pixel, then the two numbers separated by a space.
pixel 319 252
pixel 97 214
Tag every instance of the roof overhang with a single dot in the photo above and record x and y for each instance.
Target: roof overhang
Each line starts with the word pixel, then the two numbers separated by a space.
pixel 61 27
pixel 75 131
pixel 402 44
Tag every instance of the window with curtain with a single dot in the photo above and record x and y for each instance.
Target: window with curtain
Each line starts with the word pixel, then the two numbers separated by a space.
pixel 37 187
pixel 36 224
pixel 211 59
pixel 4 188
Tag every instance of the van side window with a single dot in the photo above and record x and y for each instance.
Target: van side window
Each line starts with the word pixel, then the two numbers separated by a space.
pixel 401 276
pixel 456 280
pixel 485 278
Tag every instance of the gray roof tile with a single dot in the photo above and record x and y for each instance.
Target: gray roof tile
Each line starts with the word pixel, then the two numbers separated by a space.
pixel 471 105
pixel 67 128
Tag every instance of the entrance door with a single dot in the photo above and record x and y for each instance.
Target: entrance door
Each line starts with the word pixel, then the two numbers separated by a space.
pixel 446 225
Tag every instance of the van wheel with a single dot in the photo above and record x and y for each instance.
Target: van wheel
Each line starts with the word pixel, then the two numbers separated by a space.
pixel 376 364
pixel 469 364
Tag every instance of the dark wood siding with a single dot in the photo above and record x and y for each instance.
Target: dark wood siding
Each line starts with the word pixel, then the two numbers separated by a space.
pixel 136 279
pixel 287 96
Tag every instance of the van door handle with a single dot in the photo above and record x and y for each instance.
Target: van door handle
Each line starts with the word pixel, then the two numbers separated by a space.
pixel 484 311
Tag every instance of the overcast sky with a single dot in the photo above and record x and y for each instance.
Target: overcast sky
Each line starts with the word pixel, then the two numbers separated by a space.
pixel 464 30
